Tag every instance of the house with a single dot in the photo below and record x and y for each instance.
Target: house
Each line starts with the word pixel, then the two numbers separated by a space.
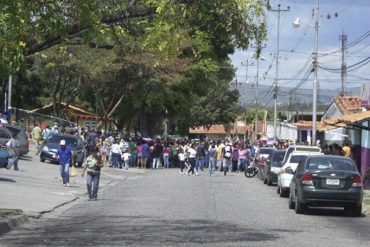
pixel 341 106
pixel 239 130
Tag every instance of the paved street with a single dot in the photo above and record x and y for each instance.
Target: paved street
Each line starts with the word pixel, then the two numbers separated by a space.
pixel 163 208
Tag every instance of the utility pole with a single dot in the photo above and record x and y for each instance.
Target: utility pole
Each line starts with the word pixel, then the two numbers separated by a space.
pixel 278 10
pixel 314 103
pixel 343 38
pixel 246 77
pixel 246 93
pixel 259 49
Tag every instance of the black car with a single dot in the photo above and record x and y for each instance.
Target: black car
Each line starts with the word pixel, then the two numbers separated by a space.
pixel 326 181
pixel 75 143
pixel 272 167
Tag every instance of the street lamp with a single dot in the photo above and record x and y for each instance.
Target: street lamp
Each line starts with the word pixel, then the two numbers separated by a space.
pixel 296 24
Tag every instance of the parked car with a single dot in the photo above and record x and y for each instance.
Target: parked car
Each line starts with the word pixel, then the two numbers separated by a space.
pixel 74 142
pixel 272 167
pixel 286 171
pixel 329 181
pixel 301 148
pixel 6 133
pixel 22 137
pixel 263 153
pixel 4 157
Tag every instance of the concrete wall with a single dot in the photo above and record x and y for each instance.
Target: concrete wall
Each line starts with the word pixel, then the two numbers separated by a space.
pixel 283 131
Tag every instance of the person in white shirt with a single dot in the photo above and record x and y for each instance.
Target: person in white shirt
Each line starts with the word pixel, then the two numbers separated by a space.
pixel 126 159
pixel 182 161
pixel 192 153
pixel 116 154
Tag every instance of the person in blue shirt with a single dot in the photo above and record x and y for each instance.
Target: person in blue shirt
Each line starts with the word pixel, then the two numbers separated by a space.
pixel 64 156
pixel 145 153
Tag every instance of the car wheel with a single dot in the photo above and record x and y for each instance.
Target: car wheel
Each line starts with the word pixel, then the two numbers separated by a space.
pixel 282 193
pixel 356 210
pixel 42 160
pixel 291 203
pixel 299 207
pixel 269 182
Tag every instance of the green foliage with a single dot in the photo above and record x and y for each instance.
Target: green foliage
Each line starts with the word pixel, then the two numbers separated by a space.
pixel 164 64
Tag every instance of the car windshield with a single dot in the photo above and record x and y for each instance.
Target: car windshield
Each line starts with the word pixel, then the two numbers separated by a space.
pixel 331 163
pixel 69 140
pixel 278 156
pixel 297 158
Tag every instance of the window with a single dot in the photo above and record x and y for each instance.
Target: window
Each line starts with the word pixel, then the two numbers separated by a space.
pixel 331 163
pixel 297 158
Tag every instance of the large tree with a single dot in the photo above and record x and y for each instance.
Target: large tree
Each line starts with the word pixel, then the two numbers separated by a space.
pixel 174 46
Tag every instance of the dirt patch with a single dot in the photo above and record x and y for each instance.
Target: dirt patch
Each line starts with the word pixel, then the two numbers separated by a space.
pixel 9 213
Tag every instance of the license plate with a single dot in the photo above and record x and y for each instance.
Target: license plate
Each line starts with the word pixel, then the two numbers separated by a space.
pixel 332 181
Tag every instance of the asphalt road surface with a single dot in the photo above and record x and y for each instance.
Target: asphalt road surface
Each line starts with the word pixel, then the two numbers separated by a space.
pixel 164 208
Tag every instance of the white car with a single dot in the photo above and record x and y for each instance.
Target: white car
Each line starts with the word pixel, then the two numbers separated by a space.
pixel 287 171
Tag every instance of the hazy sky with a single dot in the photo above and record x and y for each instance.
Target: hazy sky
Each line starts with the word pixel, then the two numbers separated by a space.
pixel 297 44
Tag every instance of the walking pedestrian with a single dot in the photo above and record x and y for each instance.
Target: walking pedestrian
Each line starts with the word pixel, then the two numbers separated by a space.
pixel 156 154
pixel 227 153
pixel 13 146
pixel 219 157
pixel 46 135
pixel 200 157
pixel 126 159
pixel 93 165
pixel 64 156
pixel 116 154
pixel 212 158
pixel 242 155
pixel 166 156
pixel 139 151
pixel 36 135
pixel 181 161
pixel 235 158
pixel 145 154
pixel 191 154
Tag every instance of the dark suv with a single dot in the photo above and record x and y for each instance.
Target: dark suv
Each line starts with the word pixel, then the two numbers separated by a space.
pixel 326 181
pixel 6 134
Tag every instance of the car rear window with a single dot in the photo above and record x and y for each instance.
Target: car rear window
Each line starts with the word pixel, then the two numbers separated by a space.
pixel 297 158
pixel 16 131
pixel 278 156
pixel 331 163
pixel 266 151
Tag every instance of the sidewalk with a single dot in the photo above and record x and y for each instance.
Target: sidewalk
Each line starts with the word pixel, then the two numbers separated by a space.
pixel 37 189
pixel 366 202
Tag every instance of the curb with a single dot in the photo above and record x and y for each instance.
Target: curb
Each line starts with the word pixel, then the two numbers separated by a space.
pixel 9 224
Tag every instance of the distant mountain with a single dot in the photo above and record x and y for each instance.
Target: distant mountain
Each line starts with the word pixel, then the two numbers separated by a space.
pixel 286 95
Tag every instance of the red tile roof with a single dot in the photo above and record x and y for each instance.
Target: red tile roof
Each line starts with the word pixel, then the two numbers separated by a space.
pixel 348 104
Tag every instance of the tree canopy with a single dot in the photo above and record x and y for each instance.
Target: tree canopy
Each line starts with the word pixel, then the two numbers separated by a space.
pixel 140 61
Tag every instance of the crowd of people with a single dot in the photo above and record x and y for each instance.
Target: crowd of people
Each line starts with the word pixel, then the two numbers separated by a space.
pixel 122 151
pixel 190 157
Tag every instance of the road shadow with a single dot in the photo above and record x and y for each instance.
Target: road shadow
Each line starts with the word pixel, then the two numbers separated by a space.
pixel 7 180
pixel 27 158
pixel 333 212
pixel 139 231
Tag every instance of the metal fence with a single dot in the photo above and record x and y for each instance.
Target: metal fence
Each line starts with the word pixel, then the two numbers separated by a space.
pixel 29 119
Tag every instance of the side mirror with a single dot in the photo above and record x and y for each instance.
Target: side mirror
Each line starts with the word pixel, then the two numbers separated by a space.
pixel 289 171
